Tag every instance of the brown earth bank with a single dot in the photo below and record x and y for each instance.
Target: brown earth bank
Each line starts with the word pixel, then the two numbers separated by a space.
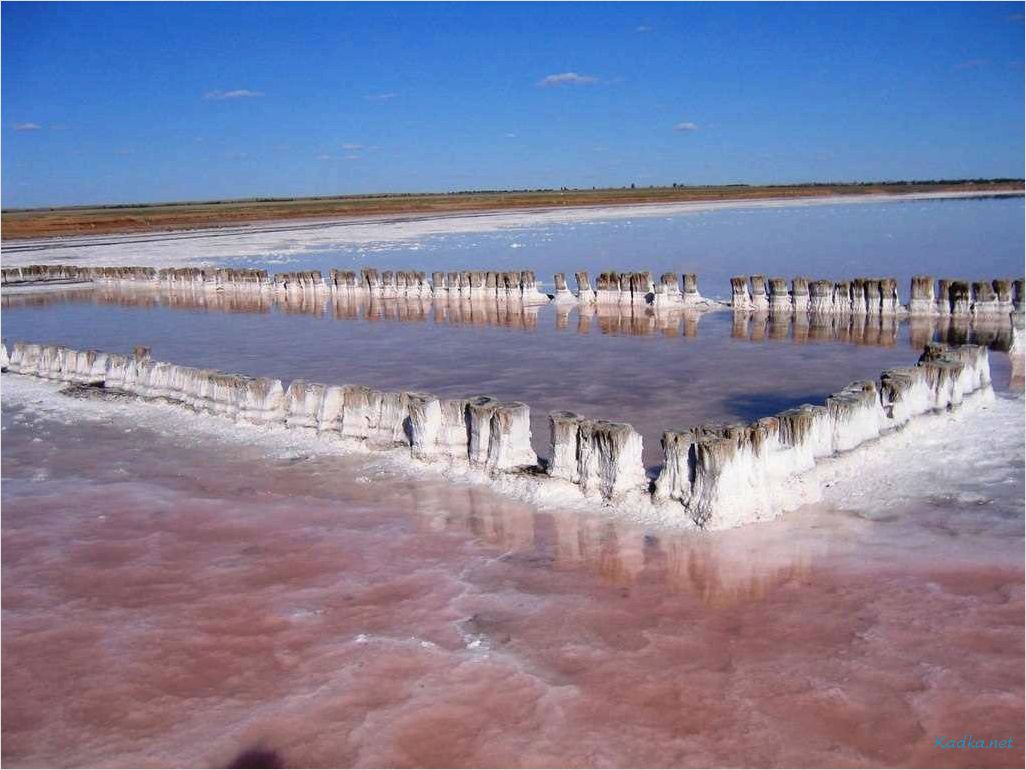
pixel 99 220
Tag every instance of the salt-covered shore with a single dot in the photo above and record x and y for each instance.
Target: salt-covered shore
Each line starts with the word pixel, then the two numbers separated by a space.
pixel 896 470
pixel 283 240
pixel 712 477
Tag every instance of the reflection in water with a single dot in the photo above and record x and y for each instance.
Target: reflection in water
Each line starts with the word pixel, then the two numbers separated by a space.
pixel 656 371
pixel 237 301
pixel 878 330
pixel 718 570
pixel 619 320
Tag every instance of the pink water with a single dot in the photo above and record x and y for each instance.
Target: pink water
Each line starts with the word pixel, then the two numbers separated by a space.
pixel 172 598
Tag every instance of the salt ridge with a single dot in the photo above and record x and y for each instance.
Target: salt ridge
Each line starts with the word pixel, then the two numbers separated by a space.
pixel 713 477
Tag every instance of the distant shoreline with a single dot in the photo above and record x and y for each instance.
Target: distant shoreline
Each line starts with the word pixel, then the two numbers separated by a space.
pixel 281 241
pixel 36 224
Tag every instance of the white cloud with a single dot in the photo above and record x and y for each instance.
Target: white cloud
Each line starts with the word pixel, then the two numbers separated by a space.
pixel 686 126
pixel 323 157
pixel 352 157
pixel 27 126
pixel 643 28
pixel 567 78
pixel 511 136
pixel 239 93
pixel 350 146
pixel 380 97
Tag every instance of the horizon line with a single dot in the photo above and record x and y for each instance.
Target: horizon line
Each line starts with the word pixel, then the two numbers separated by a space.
pixel 508 191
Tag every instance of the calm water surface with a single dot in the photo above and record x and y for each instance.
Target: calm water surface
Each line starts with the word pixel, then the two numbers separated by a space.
pixel 655 372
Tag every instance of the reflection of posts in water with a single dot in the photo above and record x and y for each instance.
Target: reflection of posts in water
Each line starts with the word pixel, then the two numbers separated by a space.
pixel 584 315
pixel 760 326
pixel 1017 353
pixel 887 330
pixel 957 329
pixel 408 310
pixel 628 319
pixel 823 327
pixel 466 312
pixel 455 310
pixel 478 512
pixel 179 298
pixel 800 328
pixel 638 321
pixel 598 544
pixel 739 325
pixel 562 317
pixel 148 299
pixel 10 300
pixel 740 565
pixel 301 302
pixel 690 320
pixel 779 327
pixel 345 307
pixel 921 329
pixel 670 326
pixel 877 330
pixel 992 332
pixel 737 566
pixel 186 297
pixel 995 333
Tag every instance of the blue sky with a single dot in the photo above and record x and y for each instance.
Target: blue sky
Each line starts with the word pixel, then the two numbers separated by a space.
pixel 151 101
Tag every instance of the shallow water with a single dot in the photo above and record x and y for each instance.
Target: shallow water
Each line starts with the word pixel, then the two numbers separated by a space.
pixel 178 597
pixel 656 372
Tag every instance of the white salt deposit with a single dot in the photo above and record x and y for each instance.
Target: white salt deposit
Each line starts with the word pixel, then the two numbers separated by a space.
pixel 948 455
pixel 284 240
pixel 714 476
pixel 983 440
